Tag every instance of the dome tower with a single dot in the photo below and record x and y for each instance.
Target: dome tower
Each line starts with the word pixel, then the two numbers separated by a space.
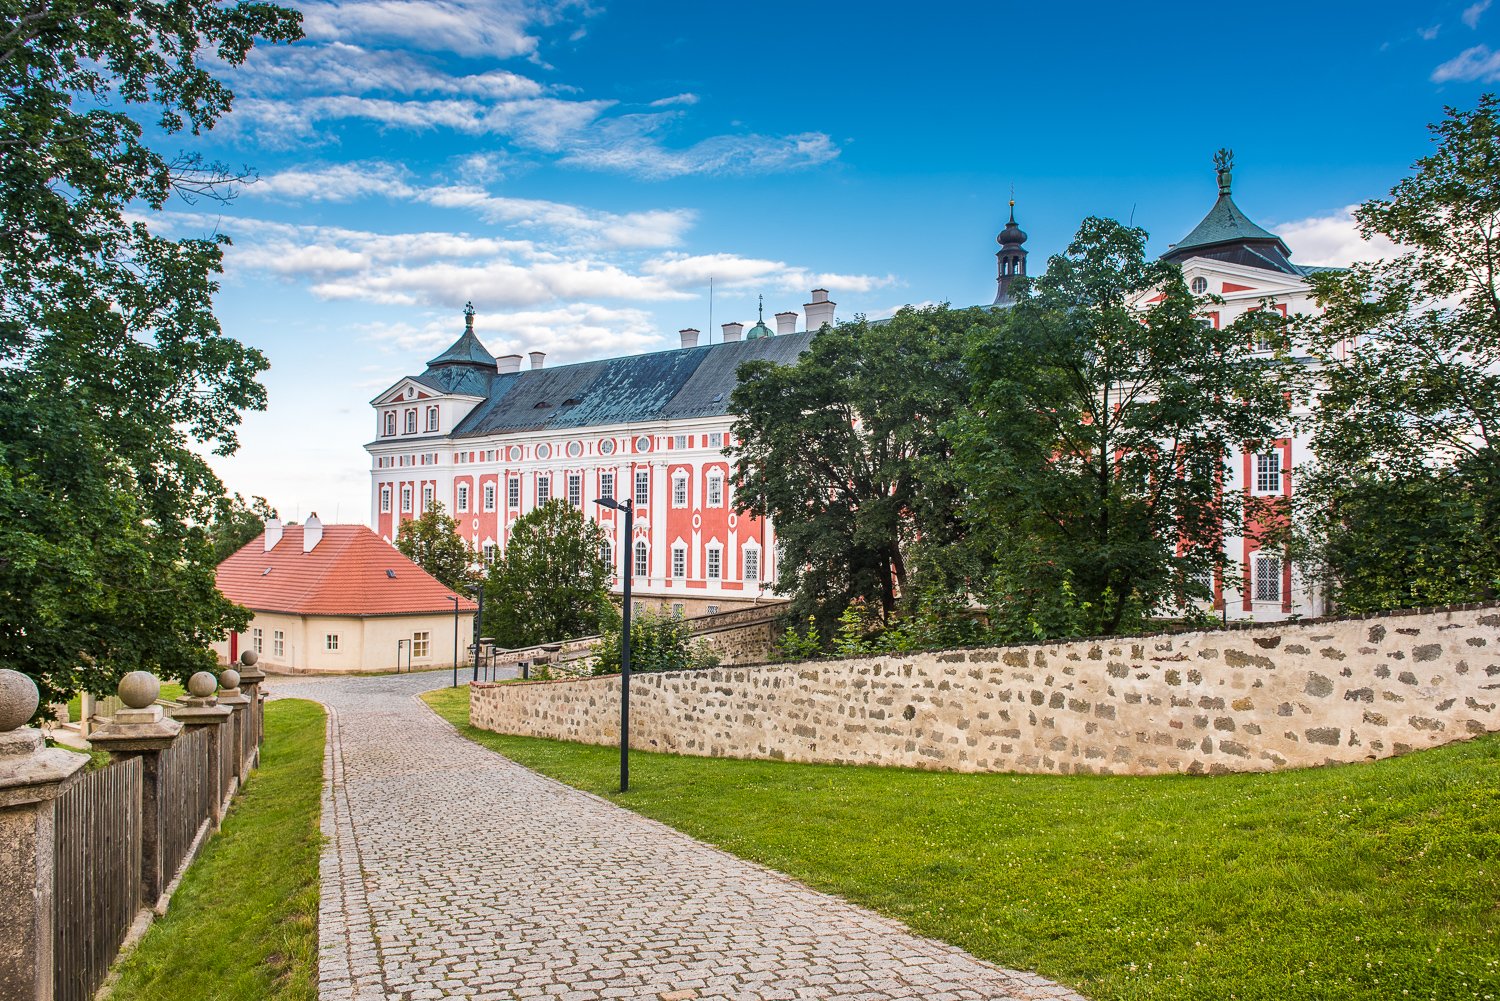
pixel 1011 258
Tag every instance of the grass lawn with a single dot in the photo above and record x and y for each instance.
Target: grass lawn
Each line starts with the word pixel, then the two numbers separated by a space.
pixel 243 926
pixel 169 690
pixel 1363 881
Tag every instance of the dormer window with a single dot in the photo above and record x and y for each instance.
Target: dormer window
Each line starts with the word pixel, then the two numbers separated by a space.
pixel 432 418
pixel 1200 285
pixel 411 422
pixel 390 422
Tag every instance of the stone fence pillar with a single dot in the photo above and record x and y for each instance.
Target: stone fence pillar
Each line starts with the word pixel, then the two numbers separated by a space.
pixel 140 731
pixel 32 776
pixel 251 678
pixel 229 695
pixel 196 710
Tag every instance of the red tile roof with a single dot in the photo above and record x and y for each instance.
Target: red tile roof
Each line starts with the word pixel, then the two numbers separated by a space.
pixel 345 574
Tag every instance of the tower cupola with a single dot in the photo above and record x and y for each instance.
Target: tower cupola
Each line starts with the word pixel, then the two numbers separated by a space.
pixel 1011 258
pixel 1227 234
pixel 760 329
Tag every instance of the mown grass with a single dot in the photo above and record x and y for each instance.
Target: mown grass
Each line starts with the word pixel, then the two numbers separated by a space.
pixel 243 926
pixel 1378 880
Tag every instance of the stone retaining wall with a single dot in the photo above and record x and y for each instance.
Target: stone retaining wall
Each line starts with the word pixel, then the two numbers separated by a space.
pixel 1244 699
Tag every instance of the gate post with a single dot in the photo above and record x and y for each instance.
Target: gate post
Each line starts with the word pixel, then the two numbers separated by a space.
pixel 229 695
pixel 139 731
pixel 198 709
pixel 251 678
pixel 32 776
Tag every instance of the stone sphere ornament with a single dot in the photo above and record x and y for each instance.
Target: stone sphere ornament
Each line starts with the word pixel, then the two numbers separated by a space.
pixel 249 658
pixel 139 689
pixel 18 700
pixel 229 678
pixel 202 685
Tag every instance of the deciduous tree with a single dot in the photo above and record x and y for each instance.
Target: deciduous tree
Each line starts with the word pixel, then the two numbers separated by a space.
pixel 552 583
pixel 236 523
pixel 114 374
pixel 431 542
pixel 1099 434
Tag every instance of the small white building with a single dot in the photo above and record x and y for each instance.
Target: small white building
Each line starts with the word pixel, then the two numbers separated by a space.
pixel 339 598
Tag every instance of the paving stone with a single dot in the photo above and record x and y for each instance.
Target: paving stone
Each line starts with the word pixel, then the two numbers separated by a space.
pixel 450 871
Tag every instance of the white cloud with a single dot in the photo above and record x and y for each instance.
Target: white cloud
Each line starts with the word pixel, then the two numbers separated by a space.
pixel 747 154
pixel 335 183
pixel 650 229
pixel 344 68
pixel 1428 34
pixel 1333 240
pixel 574 332
pixel 678 100
pixel 1473 13
pixel 1478 63
pixel 497 28
pixel 731 272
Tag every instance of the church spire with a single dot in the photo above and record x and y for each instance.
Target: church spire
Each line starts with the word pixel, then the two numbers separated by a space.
pixel 1011 257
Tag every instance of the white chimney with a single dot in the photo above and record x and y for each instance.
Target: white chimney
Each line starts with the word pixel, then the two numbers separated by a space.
pixel 273 533
pixel 820 310
pixel 689 337
pixel 786 323
pixel 312 532
pixel 732 331
pixel 537 357
pixel 507 364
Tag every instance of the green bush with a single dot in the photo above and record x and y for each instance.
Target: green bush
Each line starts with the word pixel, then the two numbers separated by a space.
pixel 657 643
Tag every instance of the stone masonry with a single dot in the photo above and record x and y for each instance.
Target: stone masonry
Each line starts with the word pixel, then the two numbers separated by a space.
pixel 451 872
pixel 1244 699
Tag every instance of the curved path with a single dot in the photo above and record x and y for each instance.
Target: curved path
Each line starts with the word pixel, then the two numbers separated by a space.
pixel 452 872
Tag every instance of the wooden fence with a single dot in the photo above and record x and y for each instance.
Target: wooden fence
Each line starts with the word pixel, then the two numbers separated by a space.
pixel 97 841
pixel 189 789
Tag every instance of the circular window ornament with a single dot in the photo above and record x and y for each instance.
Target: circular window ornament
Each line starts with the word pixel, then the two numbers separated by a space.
pixel 607 447
pixel 1200 285
pixel 544 451
pixel 575 449
pixel 515 453
pixel 643 444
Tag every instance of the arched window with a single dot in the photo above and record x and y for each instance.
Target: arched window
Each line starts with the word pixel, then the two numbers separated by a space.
pixel 390 422
pixel 641 566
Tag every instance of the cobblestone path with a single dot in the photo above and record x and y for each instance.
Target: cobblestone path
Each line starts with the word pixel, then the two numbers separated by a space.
pixel 452 872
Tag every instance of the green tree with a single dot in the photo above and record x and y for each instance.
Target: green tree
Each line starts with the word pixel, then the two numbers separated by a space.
pixel 236 523
pixel 114 374
pixel 432 543
pixel 845 451
pixel 1100 433
pixel 1402 505
pixel 658 642
pixel 552 583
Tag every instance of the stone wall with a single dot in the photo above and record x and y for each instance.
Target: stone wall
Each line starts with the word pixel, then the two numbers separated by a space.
pixel 1243 699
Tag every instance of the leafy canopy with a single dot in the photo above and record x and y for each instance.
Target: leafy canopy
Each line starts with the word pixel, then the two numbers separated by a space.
pixel 552 583
pixel 114 373
pixel 236 523
pixel 845 452
pixel 1403 502
pixel 431 541
pixel 1098 437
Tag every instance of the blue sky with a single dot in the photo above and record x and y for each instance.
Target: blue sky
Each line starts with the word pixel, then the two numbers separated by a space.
pixel 579 170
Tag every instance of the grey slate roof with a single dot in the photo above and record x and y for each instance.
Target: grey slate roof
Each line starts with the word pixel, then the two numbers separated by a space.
pixel 663 385
pixel 467 350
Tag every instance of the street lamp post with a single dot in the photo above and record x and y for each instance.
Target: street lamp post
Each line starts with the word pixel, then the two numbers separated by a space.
pixel 454 598
pixel 629 510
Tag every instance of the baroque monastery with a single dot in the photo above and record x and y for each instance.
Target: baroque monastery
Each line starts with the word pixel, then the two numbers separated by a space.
pixel 491 440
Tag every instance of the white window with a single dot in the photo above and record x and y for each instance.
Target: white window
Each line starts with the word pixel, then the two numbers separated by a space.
pixel 1267 578
pixel 716 440
pixel 606 484
pixel 385 499
pixel 427 498
pixel 390 422
pixel 752 564
pixel 679 490
pixel 1268 473
pixel 641 566
pixel 488 551
pixel 543 489
pixel 716 491
pixel 679 441
pixel 489 497
pixel 278 643
pixel 331 642
pixel 1200 285
pixel 715 563
pixel 679 561
pixel 258 639
pixel 513 491
pixel 421 645
pixel 432 418
pixel 1263 340
pixel 642 488
pixel 406 498
pixel 575 489
pixel 463 497
pixel 411 422
pixel 607 554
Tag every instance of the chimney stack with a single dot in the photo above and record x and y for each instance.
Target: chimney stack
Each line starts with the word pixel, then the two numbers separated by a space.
pixel 689 337
pixel 312 532
pixel 537 357
pixel 506 364
pixel 786 323
pixel 273 533
pixel 820 310
pixel 732 331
